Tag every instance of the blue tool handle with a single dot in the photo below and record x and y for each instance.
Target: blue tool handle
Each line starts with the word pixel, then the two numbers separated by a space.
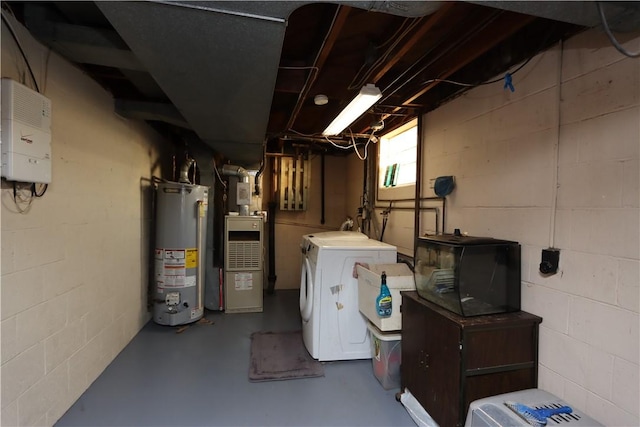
pixel 555 411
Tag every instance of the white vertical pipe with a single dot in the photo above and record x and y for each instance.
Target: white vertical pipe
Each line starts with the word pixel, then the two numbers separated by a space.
pixel 556 149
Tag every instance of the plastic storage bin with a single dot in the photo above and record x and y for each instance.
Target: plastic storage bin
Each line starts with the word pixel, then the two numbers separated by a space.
pixel 385 357
pixel 399 278
pixel 492 412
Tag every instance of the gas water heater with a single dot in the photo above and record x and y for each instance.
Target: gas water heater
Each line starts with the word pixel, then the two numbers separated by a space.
pixel 181 211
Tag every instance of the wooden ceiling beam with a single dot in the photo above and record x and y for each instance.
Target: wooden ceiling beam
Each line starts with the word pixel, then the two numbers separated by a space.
pixel 461 53
pixel 423 29
pixel 457 36
pixel 337 25
pixel 504 27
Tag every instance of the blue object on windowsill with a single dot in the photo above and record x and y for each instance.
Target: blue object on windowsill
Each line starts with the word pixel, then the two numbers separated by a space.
pixel 508 82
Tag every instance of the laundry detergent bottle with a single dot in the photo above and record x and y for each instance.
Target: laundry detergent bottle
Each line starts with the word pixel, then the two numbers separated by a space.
pixel 383 302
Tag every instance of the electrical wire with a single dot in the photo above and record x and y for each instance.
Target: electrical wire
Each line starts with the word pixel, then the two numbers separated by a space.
pixel 342 147
pixel 383 57
pixel 612 38
pixel 496 80
pixel 299 68
pixel 376 62
pixel 366 145
pixel 320 136
pixel 312 76
pixel 355 149
pixel 215 168
pixel 371 138
pixel 308 135
pixel 354 145
pixel 19 198
pixel 406 80
pixel 35 192
pixel 385 218
pixel 15 38
pixel 398 30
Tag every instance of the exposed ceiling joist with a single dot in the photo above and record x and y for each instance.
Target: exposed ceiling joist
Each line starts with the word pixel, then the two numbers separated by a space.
pixel 423 29
pixel 339 20
pixel 488 37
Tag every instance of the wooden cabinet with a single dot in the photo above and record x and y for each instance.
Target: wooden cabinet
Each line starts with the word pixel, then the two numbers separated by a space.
pixel 448 361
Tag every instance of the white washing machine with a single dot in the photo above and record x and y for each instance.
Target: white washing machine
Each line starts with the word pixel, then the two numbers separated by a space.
pixel 332 326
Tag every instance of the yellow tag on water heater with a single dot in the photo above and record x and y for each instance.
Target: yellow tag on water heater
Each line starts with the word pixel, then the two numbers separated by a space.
pixel 191 260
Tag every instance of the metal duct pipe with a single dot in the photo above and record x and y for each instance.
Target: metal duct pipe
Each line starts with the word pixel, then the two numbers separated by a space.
pixel 184 171
pixel 240 172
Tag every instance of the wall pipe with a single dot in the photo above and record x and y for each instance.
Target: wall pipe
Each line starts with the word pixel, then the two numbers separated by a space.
pixel 202 212
pixel 184 171
pixel 271 278
pixel 422 209
pixel 322 188
pixel 556 149
pixel 418 202
pixel 365 197
pixel 422 199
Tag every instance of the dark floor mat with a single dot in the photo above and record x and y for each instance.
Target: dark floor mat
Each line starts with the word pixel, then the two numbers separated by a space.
pixel 281 356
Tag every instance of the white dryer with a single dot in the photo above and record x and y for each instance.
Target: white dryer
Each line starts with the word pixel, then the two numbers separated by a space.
pixel 332 326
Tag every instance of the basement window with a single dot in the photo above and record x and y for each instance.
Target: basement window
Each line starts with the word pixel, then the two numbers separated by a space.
pixel 397 163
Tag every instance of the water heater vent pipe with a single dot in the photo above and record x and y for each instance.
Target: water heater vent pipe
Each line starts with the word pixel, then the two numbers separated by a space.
pixel 184 171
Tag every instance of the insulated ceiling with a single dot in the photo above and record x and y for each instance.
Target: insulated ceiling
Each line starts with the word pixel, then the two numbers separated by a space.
pixel 217 65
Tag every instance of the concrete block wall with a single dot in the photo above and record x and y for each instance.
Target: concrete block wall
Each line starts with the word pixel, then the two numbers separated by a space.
pixel 575 115
pixel 74 268
pixel 292 225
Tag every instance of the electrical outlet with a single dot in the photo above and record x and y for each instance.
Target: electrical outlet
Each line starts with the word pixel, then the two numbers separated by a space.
pixel 550 261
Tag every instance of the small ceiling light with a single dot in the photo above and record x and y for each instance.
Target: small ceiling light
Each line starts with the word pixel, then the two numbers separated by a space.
pixel 320 99
pixel 368 96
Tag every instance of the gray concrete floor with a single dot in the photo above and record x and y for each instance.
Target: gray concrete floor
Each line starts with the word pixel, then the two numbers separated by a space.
pixel 200 378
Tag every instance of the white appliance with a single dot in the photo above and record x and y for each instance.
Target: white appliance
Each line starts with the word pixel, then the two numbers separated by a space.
pixel 243 263
pixel 332 326
pixel 26 133
pixel 492 412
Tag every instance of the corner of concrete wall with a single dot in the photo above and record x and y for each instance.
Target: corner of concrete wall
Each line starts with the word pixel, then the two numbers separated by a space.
pixel 74 267
pixel 556 164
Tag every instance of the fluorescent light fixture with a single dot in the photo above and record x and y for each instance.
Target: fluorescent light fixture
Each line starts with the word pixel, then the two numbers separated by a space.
pixel 368 96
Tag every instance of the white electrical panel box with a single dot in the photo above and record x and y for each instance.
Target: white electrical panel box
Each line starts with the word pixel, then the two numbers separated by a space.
pixel 25 134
